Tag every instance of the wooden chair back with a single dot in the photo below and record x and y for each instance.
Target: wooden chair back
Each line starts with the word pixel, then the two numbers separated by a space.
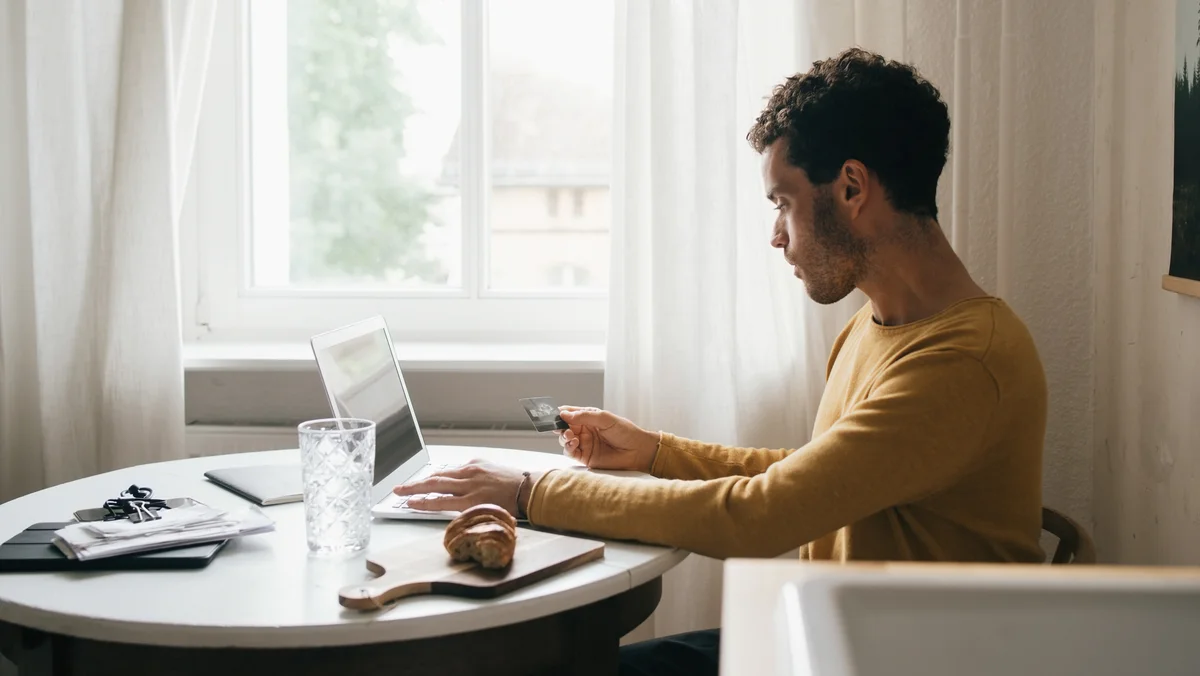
pixel 1074 542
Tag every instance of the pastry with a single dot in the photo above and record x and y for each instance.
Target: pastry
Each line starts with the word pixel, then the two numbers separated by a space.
pixel 483 533
pixel 491 544
pixel 496 511
pixel 478 514
pixel 494 545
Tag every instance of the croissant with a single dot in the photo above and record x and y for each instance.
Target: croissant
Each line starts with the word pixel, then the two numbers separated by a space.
pixel 484 533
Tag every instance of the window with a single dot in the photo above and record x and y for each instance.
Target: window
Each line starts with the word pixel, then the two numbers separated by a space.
pixel 579 195
pixel 568 274
pixel 405 158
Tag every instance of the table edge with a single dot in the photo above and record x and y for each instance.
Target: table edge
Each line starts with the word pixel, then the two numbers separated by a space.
pixel 380 630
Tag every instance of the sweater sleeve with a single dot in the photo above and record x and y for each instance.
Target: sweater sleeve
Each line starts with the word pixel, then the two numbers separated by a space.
pixel 679 458
pixel 924 426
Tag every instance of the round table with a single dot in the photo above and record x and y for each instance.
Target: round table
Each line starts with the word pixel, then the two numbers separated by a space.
pixel 265 605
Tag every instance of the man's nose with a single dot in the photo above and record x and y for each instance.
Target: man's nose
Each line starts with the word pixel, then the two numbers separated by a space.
pixel 779 238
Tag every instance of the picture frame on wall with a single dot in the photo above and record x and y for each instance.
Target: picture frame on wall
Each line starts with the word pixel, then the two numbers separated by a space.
pixel 1183 274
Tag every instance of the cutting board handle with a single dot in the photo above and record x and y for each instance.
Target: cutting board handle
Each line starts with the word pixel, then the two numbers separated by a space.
pixel 375 593
pixel 425 568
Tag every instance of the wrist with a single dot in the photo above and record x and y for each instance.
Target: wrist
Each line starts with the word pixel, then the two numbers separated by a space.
pixel 525 494
pixel 650 452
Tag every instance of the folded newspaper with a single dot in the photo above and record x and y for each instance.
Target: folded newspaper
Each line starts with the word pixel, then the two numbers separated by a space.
pixel 176 528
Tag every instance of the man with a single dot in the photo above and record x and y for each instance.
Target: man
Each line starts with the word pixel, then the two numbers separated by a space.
pixel 928 439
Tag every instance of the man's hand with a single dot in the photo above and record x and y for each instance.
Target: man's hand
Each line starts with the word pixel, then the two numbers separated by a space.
pixel 475 483
pixel 602 440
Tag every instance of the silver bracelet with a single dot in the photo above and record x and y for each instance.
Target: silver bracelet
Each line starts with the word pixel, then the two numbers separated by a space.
pixel 520 512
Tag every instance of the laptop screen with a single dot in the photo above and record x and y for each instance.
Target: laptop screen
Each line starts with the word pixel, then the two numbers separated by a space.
pixel 363 381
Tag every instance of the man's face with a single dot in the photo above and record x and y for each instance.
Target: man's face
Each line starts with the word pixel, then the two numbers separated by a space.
pixel 812 229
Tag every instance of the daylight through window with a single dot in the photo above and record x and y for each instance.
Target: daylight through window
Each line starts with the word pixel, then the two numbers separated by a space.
pixel 418 161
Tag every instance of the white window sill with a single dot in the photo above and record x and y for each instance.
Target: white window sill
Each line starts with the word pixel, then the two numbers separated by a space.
pixel 440 357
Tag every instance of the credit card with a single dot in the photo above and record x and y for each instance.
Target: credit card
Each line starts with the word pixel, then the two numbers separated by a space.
pixel 544 414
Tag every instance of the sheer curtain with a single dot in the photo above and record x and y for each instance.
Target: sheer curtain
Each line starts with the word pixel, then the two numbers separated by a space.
pixel 97 123
pixel 711 337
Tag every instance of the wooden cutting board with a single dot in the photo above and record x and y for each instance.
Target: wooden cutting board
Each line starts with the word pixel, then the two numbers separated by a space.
pixel 423 567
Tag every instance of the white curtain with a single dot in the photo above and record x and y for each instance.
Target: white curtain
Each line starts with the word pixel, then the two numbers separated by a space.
pixel 711 337
pixel 97 124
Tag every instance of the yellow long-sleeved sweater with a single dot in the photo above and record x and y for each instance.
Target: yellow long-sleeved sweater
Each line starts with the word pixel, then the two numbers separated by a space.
pixel 927 446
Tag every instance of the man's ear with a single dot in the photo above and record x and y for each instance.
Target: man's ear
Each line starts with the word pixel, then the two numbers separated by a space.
pixel 854 187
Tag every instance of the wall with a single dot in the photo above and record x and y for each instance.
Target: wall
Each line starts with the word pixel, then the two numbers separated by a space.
pixel 1041 262
pixel 1147 365
pixel 1016 196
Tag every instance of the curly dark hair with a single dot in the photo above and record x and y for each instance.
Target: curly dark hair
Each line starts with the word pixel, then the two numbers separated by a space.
pixel 859 105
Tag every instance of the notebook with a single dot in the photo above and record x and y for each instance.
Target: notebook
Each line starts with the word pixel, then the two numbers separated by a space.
pixel 264 485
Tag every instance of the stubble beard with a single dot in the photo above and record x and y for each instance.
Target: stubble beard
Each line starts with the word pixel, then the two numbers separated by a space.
pixel 840 259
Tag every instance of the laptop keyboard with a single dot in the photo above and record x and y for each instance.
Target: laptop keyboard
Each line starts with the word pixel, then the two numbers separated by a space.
pixel 401 501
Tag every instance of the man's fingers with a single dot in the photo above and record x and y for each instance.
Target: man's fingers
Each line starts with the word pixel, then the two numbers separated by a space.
pixel 433 484
pixel 459 472
pixel 441 503
pixel 591 417
pixel 571 449
pixel 586 437
pixel 578 445
pixel 584 454
pixel 463 471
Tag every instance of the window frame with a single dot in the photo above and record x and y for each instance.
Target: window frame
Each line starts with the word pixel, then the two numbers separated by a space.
pixel 578 201
pixel 222 304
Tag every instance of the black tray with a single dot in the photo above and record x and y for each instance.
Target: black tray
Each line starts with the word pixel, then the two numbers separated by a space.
pixel 31 550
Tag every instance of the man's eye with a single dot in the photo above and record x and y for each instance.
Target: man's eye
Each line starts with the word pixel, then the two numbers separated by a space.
pixel 779 207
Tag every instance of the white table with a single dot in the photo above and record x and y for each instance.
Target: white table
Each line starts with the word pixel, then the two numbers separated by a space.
pixel 265 591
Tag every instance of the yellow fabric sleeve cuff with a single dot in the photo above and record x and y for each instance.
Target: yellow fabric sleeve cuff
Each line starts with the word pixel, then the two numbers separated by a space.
pixel 537 497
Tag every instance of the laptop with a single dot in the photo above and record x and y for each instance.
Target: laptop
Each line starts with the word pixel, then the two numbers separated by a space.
pixel 363 380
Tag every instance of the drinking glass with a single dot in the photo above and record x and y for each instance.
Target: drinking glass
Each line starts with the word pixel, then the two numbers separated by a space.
pixel 338 456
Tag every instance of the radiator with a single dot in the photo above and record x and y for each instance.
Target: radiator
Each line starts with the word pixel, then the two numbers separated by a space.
pixel 203 440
